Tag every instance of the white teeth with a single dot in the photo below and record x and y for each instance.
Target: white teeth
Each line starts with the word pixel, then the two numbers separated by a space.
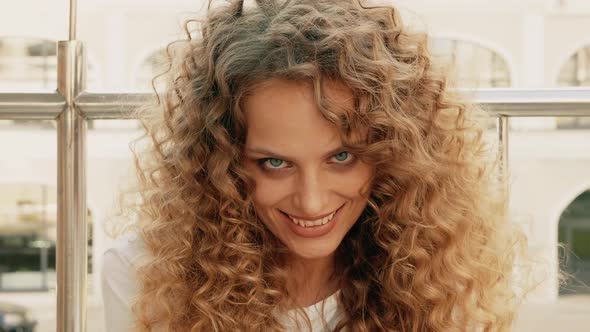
pixel 308 223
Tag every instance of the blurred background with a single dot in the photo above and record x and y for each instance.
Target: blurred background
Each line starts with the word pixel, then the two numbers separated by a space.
pixel 527 44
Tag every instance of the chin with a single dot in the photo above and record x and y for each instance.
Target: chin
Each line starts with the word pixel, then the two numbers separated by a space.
pixel 313 254
pixel 309 250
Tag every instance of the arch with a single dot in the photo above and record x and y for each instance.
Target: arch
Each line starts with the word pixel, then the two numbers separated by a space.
pixel 561 203
pixel 569 197
pixel 560 206
pixel 571 225
pixel 567 53
pixel 499 50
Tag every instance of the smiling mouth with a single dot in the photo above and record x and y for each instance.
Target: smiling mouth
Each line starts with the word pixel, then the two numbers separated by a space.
pixel 311 223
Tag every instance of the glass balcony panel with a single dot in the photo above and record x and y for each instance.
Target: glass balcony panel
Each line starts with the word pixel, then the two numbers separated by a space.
pixel 550 200
pixel 110 172
pixel 28 225
pixel 29 210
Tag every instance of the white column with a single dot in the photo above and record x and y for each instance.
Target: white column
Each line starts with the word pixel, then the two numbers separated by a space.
pixel 116 53
pixel 532 71
pixel 532 66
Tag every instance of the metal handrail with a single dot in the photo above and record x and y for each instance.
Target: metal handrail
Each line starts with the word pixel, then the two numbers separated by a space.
pixel 507 102
pixel 534 102
pixel 110 105
pixel 31 106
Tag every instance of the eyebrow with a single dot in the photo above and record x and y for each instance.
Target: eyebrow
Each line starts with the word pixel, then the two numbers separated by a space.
pixel 278 155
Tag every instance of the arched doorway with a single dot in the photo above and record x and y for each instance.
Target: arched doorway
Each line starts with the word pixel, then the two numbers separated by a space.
pixel 473 64
pixel 480 66
pixel 574 235
pixel 575 72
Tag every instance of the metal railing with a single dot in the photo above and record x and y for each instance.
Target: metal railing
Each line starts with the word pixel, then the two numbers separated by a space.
pixel 72 107
pixel 94 106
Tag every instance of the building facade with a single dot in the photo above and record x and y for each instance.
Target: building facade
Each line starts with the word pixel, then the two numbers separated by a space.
pixel 532 44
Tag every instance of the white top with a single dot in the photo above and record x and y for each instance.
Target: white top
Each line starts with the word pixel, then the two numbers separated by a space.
pixel 119 288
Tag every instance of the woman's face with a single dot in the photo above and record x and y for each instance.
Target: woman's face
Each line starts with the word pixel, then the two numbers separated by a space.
pixel 302 173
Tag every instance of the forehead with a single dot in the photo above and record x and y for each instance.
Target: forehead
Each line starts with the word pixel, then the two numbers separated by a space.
pixel 334 91
pixel 283 115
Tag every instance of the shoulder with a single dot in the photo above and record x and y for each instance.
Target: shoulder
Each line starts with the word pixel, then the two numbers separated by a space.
pixel 118 280
pixel 119 266
pixel 128 249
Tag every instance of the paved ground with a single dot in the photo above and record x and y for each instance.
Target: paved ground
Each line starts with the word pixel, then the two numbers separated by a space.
pixel 568 314
pixel 42 306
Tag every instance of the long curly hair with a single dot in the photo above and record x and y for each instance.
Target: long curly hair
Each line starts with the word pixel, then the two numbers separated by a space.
pixel 432 251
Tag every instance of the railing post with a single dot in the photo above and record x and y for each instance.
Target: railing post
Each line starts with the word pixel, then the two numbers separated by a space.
pixel 503 130
pixel 72 243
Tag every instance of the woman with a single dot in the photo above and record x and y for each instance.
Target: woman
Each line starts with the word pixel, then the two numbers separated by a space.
pixel 310 170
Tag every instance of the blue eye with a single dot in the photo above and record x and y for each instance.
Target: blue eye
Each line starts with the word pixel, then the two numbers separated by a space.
pixel 273 162
pixel 276 165
pixel 343 157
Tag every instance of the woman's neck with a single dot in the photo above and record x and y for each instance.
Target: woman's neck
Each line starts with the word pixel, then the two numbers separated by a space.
pixel 313 280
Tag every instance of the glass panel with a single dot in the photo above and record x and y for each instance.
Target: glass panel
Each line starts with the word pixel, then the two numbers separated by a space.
pixel 110 170
pixel 27 237
pixel 550 187
pixel 28 222
pixel 28 229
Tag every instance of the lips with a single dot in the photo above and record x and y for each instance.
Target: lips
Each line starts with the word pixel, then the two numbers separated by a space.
pixel 312 223
pixel 312 231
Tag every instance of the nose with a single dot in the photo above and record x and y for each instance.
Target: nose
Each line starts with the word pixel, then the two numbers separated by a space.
pixel 311 195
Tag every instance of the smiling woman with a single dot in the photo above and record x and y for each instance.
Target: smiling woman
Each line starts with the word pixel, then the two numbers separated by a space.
pixel 299 189
pixel 308 169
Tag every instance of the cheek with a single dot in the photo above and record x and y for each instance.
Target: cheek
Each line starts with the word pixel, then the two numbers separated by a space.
pixel 269 192
pixel 264 193
pixel 357 182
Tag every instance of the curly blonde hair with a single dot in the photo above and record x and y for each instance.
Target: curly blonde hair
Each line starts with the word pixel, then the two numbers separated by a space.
pixel 432 251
